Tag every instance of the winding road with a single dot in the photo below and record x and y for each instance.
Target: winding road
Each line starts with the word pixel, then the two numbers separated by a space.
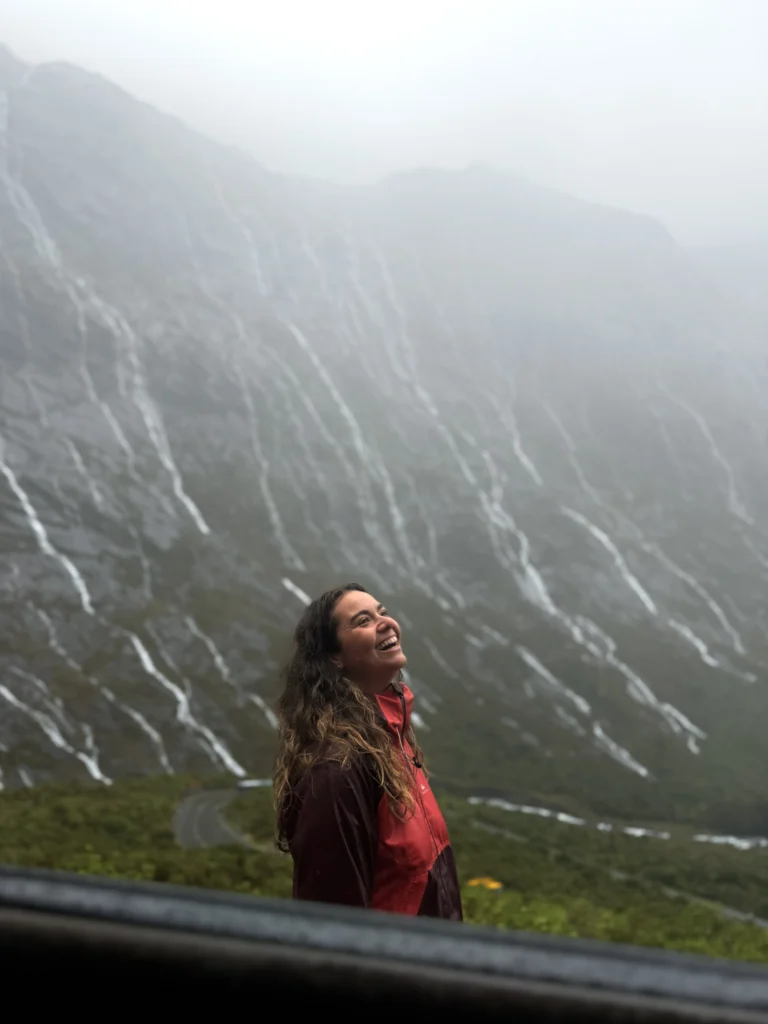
pixel 199 821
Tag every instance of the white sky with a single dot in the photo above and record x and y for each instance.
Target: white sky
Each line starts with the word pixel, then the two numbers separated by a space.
pixel 659 106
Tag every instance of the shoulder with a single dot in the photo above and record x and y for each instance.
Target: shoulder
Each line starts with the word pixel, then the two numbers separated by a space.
pixel 333 798
pixel 333 776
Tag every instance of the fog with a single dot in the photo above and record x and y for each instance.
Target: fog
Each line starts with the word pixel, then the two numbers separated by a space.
pixel 655 107
pixel 535 427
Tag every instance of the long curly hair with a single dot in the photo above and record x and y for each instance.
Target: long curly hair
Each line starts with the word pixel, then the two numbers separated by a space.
pixel 323 715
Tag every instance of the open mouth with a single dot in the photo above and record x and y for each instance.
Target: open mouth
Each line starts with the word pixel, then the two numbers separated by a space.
pixel 390 644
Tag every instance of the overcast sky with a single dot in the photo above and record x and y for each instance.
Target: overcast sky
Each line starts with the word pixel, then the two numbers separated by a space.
pixel 659 106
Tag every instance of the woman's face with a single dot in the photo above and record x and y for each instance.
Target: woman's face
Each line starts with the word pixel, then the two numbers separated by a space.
pixel 369 641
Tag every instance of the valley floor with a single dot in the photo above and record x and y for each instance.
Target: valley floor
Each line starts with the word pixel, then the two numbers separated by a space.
pixel 517 872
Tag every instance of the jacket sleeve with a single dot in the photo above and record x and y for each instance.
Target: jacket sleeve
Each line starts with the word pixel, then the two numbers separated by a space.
pixel 335 841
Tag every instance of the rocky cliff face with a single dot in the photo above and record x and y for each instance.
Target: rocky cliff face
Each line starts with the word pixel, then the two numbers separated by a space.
pixel 527 422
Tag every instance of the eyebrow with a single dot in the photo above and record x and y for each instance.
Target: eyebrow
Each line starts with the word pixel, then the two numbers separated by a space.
pixel 366 611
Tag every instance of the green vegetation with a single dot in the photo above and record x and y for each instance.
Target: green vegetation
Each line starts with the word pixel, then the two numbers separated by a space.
pixel 126 831
pixel 737 879
pixel 553 878
pixel 575 881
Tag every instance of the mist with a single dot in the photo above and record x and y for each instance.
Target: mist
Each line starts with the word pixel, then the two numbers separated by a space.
pixel 534 425
pixel 656 108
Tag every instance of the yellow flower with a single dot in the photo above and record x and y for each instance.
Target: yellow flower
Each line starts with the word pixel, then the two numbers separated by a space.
pixel 487 883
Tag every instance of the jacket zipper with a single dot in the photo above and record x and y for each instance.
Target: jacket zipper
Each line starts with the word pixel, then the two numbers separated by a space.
pixel 401 737
pixel 413 771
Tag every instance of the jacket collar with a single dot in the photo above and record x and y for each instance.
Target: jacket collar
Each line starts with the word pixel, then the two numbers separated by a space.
pixel 396 704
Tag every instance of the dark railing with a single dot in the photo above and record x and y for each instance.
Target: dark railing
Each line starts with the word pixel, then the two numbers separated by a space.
pixel 319 958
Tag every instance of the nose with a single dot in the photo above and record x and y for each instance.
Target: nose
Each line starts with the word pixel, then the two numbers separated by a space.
pixel 386 623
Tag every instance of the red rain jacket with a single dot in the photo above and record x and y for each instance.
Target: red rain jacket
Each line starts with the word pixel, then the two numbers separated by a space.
pixel 349 848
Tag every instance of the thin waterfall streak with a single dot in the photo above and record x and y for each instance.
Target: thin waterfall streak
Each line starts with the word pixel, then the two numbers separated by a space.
pixel 624 571
pixel 210 743
pixel 735 504
pixel 42 538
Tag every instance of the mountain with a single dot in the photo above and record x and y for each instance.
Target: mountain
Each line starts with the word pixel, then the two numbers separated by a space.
pixel 530 424
pixel 741 270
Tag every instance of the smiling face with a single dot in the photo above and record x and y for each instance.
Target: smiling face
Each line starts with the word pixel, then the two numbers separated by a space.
pixel 369 653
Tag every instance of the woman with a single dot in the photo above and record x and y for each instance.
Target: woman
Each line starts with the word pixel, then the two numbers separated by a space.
pixel 354 808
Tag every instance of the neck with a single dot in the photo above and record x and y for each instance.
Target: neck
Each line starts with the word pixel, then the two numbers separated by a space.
pixel 376 687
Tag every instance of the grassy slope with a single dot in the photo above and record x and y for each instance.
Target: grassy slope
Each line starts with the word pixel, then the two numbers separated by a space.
pixel 555 878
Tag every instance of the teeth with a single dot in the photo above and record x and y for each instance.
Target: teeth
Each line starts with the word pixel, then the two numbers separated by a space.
pixel 391 642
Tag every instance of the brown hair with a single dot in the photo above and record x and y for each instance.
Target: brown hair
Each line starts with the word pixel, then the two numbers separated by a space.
pixel 324 715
